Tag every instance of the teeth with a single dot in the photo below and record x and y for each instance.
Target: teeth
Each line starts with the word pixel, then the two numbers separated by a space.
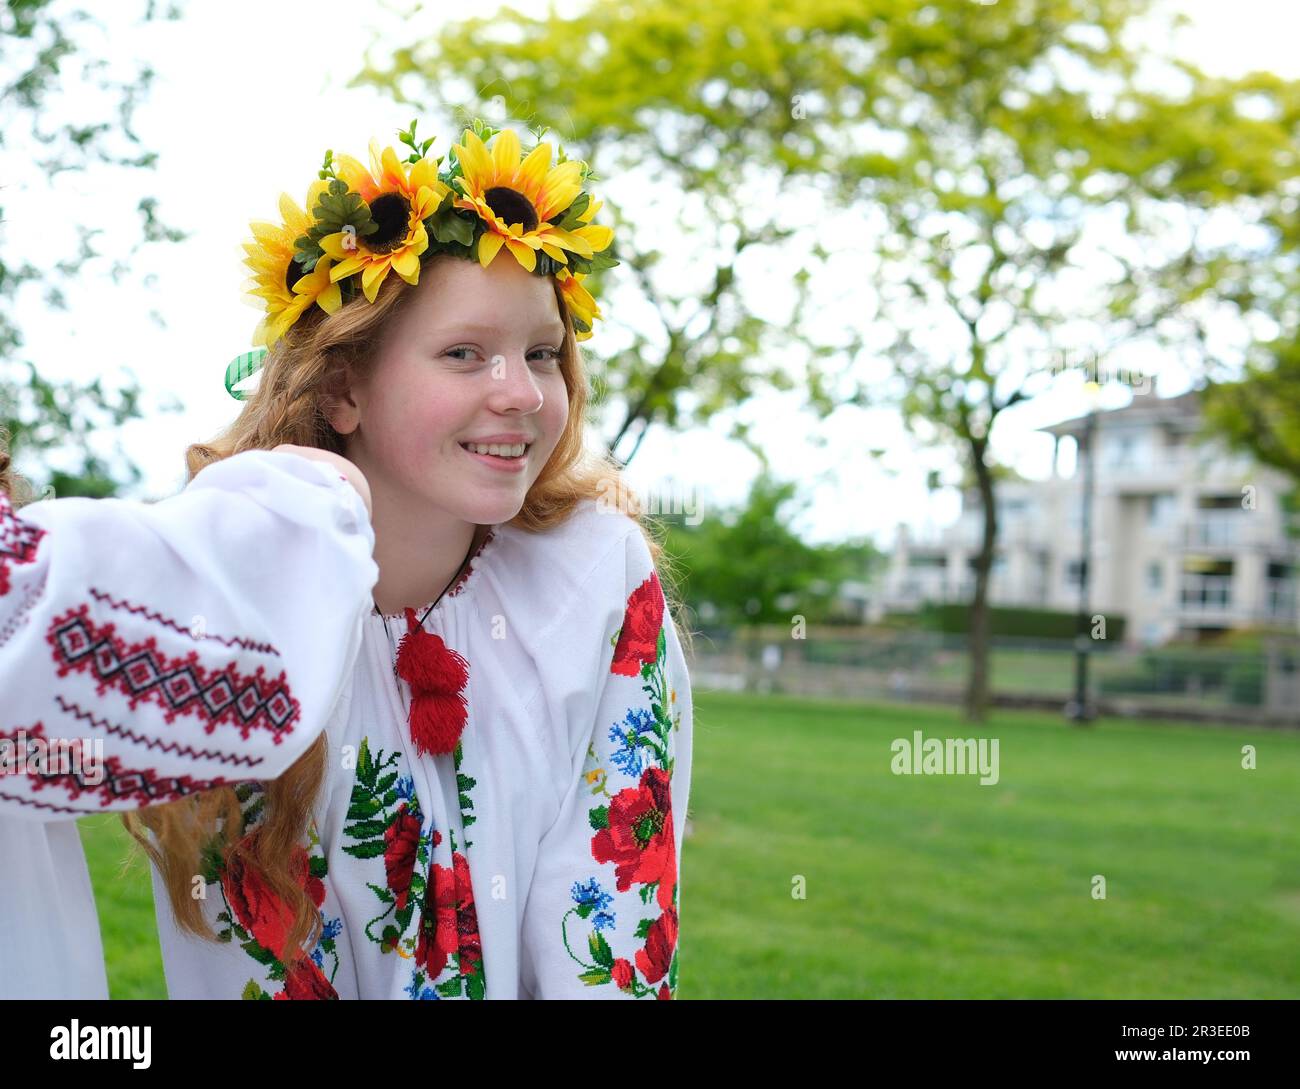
pixel 499 449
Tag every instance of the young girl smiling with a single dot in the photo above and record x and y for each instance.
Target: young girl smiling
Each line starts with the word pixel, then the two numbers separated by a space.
pixel 496 806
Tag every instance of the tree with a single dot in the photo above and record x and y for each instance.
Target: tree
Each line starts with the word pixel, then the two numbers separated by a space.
pixel 701 99
pixel 1012 143
pixel 1029 192
pixel 751 568
pixel 40 46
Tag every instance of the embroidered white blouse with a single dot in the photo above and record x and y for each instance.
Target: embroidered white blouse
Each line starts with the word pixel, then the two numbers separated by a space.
pixel 541 859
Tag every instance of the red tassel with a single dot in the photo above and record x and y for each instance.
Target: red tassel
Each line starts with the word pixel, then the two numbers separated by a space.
pixel 437 676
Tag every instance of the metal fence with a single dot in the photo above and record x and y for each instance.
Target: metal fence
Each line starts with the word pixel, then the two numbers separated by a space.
pixel 1194 683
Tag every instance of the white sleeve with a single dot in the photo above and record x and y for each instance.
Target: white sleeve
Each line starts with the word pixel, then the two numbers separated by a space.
pixel 150 650
pixel 601 918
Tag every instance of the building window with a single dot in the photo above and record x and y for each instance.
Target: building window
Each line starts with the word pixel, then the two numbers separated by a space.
pixel 1074 570
pixel 1207 591
pixel 1155 576
pixel 1161 510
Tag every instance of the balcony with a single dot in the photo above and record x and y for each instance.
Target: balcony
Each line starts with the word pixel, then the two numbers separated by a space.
pixel 1238 529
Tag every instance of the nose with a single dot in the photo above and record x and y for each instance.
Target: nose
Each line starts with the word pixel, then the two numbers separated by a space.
pixel 514 386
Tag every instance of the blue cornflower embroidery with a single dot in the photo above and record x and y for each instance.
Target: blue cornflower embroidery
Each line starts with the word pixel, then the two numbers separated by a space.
pixel 630 755
pixel 592 894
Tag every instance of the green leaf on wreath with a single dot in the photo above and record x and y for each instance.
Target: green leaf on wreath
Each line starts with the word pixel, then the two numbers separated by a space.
pixel 449 226
pixel 643 927
pixel 599 817
pixel 570 218
pixel 339 207
pixel 594 978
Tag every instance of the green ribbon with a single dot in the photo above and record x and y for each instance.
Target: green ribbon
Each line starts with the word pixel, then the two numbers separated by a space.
pixel 240 368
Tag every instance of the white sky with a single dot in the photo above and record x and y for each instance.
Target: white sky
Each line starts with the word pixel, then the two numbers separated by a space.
pixel 237 119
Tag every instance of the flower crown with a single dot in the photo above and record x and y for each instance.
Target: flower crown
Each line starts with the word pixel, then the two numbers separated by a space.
pixel 360 224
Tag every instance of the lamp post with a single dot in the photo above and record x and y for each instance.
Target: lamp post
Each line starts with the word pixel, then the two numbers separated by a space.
pixel 1080 710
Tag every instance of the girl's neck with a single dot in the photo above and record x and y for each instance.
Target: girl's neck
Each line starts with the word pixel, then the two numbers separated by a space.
pixel 417 565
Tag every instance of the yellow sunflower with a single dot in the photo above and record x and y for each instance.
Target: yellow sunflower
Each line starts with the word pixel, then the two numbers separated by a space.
pixel 399 202
pixel 579 300
pixel 515 199
pixel 598 237
pixel 277 277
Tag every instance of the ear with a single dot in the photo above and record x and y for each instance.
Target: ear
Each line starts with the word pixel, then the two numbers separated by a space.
pixel 340 407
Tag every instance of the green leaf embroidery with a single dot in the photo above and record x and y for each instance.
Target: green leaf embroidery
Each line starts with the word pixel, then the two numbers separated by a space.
pixel 365 766
pixel 372 849
pixel 366 829
pixel 601 953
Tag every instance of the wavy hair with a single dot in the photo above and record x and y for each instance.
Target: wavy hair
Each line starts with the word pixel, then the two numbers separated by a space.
pixel 12 484
pixel 300 374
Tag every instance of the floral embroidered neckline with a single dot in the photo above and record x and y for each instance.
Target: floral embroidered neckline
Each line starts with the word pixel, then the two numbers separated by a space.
pixel 456 589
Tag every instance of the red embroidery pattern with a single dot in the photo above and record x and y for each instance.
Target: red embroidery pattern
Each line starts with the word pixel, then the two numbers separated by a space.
pixel 117 782
pixel 140 610
pixel 18 541
pixel 19 616
pixel 40 805
pixel 154 743
pixel 178 685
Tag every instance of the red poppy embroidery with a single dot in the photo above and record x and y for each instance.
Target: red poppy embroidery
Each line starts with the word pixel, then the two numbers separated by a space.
pixel 638 639
pixel 639 838
pixel 384 818
pixel 660 942
pixel 634 827
pixel 401 839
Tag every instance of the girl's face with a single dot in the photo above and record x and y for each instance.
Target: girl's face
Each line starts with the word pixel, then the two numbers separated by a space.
pixel 473 359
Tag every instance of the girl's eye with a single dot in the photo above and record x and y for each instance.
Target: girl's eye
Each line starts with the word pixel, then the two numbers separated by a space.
pixel 553 354
pixel 452 352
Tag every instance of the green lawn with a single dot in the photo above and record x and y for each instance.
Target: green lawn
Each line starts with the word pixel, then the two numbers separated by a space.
pixel 936 886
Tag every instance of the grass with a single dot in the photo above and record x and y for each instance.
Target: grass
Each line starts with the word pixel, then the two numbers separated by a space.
pixel 812 871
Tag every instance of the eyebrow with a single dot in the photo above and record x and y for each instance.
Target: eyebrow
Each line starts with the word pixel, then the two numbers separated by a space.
pixel 552 326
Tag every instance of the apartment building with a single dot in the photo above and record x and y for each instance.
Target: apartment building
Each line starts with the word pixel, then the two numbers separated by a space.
pixel 1188 540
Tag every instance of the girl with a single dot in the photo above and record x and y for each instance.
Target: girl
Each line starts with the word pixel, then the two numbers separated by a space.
pixel 497 804
pixel 124 636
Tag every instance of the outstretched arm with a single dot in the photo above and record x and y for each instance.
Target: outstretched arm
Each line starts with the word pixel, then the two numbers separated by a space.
pixel 148 651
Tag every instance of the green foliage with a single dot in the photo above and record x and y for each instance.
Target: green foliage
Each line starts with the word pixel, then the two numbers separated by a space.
pixel 700 96
pixel 41 44
pixel 1259 414
pixel 954 618
pixel 1181 669
pixel 751 567
pixel 336 208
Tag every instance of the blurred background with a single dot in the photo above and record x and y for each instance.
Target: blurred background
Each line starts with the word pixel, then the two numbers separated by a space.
pixel 955 344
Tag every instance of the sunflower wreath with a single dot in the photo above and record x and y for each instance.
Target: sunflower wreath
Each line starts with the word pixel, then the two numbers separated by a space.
pixel 361 224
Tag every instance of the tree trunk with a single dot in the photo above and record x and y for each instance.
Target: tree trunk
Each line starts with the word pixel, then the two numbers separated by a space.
pixel 977 684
